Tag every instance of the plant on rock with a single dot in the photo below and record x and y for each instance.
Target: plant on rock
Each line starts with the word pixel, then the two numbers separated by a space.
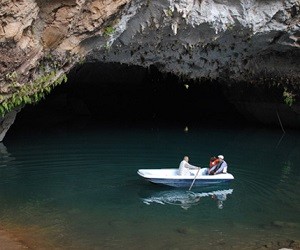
pixel 48 75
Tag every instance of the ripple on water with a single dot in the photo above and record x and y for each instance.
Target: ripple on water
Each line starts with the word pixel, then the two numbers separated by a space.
pixel 81 191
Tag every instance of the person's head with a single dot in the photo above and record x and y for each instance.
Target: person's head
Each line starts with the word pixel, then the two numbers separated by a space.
pixel 213 158
pixel 221 157
pixel 186 158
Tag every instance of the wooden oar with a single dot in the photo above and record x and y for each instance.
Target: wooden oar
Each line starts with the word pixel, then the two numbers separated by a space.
pixel 194 179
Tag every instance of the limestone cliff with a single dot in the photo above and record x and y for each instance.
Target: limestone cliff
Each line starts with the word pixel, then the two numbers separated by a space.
pixel 251 41
pixel 40 42
pixel 232 40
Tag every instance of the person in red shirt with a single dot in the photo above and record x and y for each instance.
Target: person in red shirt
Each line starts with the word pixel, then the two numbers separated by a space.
pixel 212 163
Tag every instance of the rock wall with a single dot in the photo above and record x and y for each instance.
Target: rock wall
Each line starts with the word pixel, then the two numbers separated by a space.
pixel 40 42
pixel 231 40
pixel 234 41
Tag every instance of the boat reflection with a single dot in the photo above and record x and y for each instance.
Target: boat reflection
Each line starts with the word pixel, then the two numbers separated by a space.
pixel 186 199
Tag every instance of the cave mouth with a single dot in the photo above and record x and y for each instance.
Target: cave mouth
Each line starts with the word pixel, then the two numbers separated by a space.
pixel 113 93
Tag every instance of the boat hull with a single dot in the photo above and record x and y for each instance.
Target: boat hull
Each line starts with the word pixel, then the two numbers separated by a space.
pixel 170 177
pixel 187 183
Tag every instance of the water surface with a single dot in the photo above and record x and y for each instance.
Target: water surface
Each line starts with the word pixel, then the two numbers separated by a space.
pixel 78 189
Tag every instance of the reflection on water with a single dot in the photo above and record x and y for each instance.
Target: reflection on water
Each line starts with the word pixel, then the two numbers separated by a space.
pixel 186 199
pixel 8 170
pixel 5 157
pixel 286 171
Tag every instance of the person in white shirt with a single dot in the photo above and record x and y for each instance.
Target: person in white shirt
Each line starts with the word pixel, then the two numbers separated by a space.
pixel 184 167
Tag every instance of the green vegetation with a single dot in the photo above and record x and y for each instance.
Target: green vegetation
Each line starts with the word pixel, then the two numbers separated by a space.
pixel 289 98
pixel 169 12
pixel 32 92
pixel 81 60
pixel 109 31
pixel 11 76
pixel 229 26
pixel 107 46
pixel 48 76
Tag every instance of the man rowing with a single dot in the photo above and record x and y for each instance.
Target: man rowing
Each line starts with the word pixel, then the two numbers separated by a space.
pixel 184 167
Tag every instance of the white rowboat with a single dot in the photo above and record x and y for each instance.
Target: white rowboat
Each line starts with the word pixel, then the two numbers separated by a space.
pixel 171 177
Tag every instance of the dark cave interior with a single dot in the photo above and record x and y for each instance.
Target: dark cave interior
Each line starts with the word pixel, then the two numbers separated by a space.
pixel 111 93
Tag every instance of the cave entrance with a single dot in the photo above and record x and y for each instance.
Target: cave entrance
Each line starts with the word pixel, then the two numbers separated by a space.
pixel 123 94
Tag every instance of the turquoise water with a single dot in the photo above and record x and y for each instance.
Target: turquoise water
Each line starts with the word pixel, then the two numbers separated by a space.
pixel 78 189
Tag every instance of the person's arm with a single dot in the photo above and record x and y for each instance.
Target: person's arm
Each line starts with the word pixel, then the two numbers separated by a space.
pixel 220 170
pixel 191 166
pixel 212 169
